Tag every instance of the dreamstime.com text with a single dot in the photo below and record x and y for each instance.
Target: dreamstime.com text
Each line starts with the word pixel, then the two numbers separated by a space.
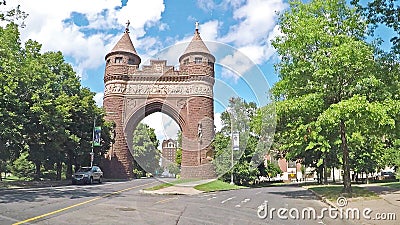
pixel 264 211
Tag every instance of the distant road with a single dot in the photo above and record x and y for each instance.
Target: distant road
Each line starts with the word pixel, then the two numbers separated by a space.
pixel 123 203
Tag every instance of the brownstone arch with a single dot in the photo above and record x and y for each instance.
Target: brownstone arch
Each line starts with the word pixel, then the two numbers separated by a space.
pixel 186 95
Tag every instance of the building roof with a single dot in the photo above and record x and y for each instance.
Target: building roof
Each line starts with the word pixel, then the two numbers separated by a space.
pixel 196 45
pixel 169 140
pixel 124 44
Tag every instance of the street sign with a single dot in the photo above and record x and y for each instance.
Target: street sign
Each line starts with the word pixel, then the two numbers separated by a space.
pixel 235 138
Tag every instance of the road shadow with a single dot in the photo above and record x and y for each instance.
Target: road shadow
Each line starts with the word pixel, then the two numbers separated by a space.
pixel 43 194
pixel 296 193
pixel 382 190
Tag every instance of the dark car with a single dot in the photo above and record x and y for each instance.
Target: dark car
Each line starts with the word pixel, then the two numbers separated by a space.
pixel 387 175
pixel 87 175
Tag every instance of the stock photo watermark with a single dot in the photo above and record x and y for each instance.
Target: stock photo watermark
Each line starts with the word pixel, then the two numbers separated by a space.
pixel 265 211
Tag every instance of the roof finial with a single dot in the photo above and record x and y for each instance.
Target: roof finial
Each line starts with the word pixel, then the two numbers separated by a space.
pixel 127 27
pixel 197 25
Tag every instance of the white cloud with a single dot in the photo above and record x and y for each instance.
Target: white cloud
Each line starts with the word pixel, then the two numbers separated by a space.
pixel 255 29
pixel 209 30
pixel 98 98
pixel 235 65
pixel 259 53
pixel 206 5
pixel 229 74
pixel 257 18
pixel 46 24
pixel 217 122
pixel 165 127
pixel 233 3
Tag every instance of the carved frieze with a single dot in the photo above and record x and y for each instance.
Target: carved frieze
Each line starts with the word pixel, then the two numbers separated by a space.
pixel 115 88
pixel 194 89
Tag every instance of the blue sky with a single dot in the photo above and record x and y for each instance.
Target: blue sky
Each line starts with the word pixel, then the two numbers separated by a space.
pixel 86 30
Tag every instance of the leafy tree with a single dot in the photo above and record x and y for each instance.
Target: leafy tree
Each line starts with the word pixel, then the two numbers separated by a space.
pixel 237 119
pixel 22 167
pixel 272 169
pixel 13 15
pixel 178 156
pixel 11 107
pixel 173 168
pixel 326 68
pixel 386 12
pixel 43 107
pixel 145 152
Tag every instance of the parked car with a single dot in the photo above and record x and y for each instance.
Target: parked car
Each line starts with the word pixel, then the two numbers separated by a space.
pixel 387 175
pixel 87 175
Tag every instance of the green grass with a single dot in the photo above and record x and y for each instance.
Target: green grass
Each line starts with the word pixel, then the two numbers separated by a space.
pixel 332 192
pixel 217 185
pixel 393 185
pixel 169 184
pixel 13 178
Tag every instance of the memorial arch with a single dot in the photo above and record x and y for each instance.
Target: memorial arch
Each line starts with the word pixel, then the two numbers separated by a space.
pixel 185 94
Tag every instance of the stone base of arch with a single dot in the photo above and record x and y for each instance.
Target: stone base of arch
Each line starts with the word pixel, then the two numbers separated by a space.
pixel 114 168
pixel 205 171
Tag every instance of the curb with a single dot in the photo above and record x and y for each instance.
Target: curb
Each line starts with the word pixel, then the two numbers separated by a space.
pixel 323 199
pixel 159 193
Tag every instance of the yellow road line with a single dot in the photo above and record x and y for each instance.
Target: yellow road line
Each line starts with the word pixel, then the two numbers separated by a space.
pixel 79 204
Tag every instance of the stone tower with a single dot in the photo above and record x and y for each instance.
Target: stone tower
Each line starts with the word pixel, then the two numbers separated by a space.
pixel 186 95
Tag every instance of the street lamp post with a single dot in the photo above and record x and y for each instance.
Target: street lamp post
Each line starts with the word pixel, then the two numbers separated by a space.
pixel 232 143
pixel 92 152
pixel 232 150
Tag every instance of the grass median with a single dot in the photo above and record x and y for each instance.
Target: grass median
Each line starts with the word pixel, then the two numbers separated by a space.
pixel 217 185
pixel 170 184
pixel 393 185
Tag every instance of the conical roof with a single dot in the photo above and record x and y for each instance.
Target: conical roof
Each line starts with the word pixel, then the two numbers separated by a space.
pixel 196 45
pixel 124 44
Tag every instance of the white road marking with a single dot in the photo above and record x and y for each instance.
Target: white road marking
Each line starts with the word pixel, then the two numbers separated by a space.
pixel 211 198
pixel 237 206
pixel 206 195
pixel 228 199
pixel 245 200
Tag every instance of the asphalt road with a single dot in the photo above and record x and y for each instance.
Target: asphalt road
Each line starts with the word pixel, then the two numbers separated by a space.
pixel 123 203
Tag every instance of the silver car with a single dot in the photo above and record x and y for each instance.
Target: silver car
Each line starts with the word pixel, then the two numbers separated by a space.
pixel 86 175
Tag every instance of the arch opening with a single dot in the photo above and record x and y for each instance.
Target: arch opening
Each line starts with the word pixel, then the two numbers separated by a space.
pixel 162 159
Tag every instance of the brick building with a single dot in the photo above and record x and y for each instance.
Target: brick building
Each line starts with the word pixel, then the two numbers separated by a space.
pixel 168 151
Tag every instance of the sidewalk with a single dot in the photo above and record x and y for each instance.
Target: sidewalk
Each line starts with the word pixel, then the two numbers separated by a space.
pixel 180 189
pixel 387 205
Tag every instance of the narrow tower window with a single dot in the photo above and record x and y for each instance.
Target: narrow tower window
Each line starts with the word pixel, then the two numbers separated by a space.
pixel 118 59
pixel 198 60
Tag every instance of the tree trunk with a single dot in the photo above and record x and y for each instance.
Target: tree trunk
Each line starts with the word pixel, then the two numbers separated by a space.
pixel 319 175
pixel 59 170
pixel 69 165
pixel 333 174
pixel 37 171
pixel 325 174
pixel 346 166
